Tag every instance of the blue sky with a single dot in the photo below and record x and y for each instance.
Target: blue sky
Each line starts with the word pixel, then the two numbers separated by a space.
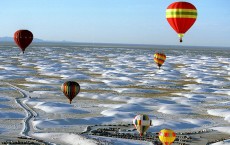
pixel 114 21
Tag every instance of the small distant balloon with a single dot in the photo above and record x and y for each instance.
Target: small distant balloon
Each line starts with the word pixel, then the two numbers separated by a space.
pixel 23 38
pixel 159 59
pixel 142 123
pixel 167 136
pixel 70 89
pixel 181 16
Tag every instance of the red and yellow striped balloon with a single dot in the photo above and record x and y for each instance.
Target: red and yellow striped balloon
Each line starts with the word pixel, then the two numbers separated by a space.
pixel 159 59
pixel 167 136
pixel 70 89
pixel 181 16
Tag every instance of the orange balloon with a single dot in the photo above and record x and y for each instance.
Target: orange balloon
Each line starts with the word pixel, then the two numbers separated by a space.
pixel 159 59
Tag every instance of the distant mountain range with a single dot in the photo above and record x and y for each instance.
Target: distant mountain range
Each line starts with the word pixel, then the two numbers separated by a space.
pixel 11 39
pixel 107 45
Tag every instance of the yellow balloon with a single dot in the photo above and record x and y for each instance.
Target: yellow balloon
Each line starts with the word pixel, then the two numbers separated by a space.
pixel 167 136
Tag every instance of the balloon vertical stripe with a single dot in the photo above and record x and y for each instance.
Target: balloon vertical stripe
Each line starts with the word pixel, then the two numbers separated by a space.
pixel 139 122
pixel 70 89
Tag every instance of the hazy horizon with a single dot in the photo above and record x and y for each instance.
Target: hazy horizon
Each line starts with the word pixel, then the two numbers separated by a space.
pixel 41 42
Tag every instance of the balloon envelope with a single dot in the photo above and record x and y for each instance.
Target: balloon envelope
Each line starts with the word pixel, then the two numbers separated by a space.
pixel 167 136
pixel 142 123
pixel 70 89
pixel 23 38
pixel 181 16
pixel 159 59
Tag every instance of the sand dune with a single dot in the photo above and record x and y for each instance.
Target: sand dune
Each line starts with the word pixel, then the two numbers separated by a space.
pixel 190 91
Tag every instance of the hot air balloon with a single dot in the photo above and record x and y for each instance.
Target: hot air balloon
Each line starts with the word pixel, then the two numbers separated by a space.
pixel 70 89
pixel 23 38
pixel 142 123
pixel 159 59
pixel 181 16
pixel 167 136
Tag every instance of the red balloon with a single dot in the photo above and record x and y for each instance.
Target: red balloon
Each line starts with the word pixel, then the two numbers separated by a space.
pixel 181 16
pixel 23 38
